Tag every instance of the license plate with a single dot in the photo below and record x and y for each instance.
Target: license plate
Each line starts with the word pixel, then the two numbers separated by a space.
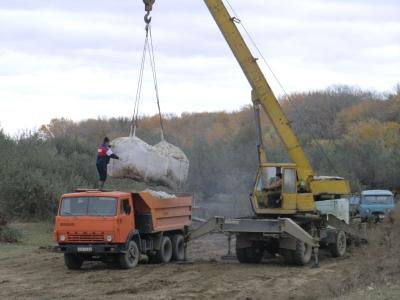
pixel 85 249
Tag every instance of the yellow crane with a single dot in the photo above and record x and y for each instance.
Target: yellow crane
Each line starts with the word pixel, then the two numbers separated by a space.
pixel 285 195
pixel 300 186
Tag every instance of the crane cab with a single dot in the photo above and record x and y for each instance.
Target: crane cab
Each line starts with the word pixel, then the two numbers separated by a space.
pixel 278 192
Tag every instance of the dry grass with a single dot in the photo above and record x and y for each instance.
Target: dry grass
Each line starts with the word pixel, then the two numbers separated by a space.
pixel 376 265
pixel 379 261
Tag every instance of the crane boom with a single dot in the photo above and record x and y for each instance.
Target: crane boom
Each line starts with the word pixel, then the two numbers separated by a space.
pixel 263 95
pixel 260 86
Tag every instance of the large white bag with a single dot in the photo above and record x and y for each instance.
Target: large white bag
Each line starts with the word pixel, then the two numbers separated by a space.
pixel 162 164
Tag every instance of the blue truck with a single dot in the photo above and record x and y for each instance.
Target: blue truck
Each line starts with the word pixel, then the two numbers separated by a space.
pixel 375 204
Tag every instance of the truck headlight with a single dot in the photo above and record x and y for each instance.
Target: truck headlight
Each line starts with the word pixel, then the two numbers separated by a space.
pixel 108 238
pixel 62 238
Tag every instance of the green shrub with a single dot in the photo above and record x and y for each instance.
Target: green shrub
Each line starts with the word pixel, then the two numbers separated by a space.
pixel 9 234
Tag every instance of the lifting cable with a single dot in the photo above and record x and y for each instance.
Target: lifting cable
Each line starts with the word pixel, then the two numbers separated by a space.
pixel 147 48
pixel 237 20
pixel 139 89
pixel 153 68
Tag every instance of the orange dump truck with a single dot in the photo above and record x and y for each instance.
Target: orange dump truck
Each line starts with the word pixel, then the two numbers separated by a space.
pixel 113 226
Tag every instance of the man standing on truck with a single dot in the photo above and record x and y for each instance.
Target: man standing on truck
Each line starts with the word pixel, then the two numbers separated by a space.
pixel 104 154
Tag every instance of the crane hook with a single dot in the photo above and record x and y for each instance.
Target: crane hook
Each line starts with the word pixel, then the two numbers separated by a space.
pixel 148 8
pixel 147 18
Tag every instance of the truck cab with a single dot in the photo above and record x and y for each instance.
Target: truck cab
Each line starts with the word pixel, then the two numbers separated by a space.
pixel 121 226
pixel 375 204
pixel 99 218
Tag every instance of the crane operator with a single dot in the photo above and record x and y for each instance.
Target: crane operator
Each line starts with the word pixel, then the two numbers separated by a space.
pixel 275 192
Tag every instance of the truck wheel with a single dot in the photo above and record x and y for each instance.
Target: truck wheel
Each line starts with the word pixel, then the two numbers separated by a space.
pixel 73 261
pixel 164 255
pixel 250 255
pixel 130 259
pixel 178 247
pixel 302 254
pixel 338 248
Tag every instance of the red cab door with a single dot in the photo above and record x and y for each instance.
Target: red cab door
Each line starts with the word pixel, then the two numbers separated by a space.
pixel 125 219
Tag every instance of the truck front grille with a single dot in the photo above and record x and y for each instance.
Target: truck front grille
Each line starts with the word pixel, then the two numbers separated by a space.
pixel 85 238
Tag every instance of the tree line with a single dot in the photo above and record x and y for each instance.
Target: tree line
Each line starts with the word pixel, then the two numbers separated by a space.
pixel 344 131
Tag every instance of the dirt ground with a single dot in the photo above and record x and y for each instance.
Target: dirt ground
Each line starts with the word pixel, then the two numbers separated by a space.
pixel 26 272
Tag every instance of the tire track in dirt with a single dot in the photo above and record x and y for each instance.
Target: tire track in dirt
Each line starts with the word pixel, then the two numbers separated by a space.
pixel 42 275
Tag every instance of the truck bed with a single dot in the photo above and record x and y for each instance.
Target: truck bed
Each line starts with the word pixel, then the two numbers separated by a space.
pixel 153 214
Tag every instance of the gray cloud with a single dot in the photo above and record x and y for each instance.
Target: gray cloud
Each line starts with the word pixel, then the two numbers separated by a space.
pixel 86 51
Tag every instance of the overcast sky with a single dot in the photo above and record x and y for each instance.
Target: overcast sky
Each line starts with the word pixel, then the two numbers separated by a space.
pixel 79 58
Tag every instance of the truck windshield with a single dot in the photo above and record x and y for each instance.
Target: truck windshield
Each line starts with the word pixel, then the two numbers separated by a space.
pixel 377 199
pixel 88 206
